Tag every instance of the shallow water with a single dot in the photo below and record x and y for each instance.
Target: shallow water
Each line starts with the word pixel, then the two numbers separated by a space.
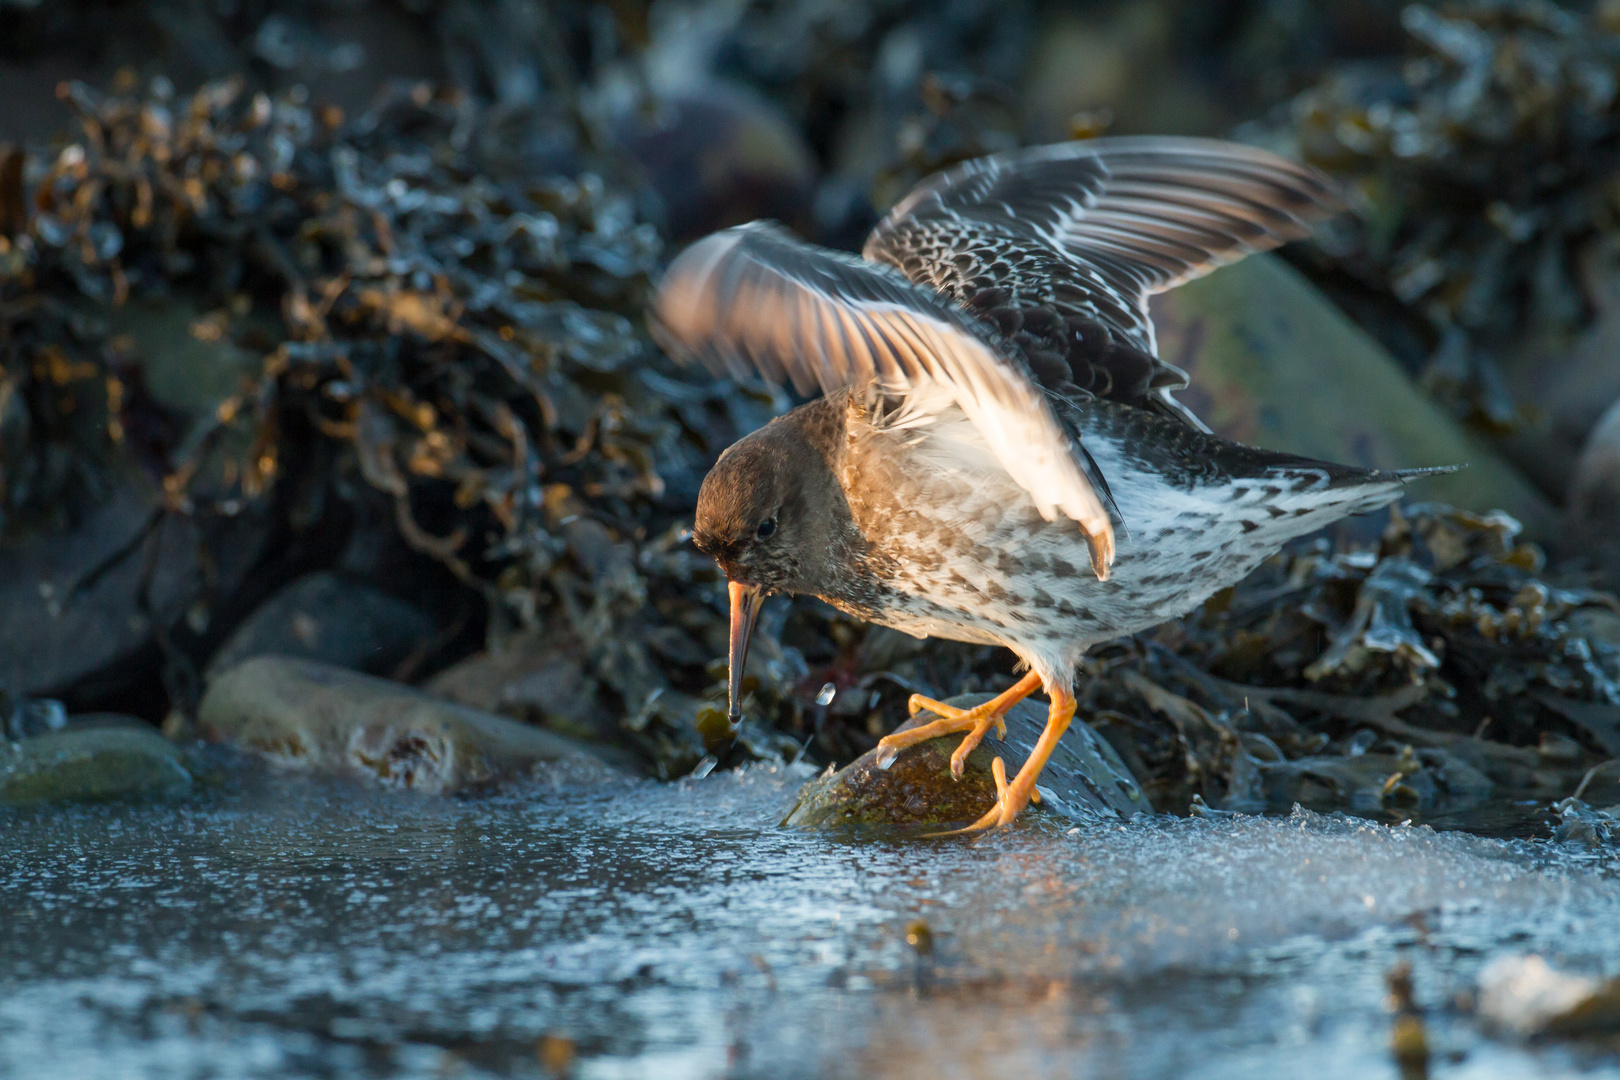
pixel 286 926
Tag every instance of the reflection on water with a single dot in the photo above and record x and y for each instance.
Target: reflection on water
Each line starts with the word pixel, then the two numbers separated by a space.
pixel 287 927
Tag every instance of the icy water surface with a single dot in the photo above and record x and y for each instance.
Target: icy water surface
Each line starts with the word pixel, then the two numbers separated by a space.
pixel 290 927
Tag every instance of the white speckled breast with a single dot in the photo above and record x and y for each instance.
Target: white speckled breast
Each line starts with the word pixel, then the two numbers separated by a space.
pixel 966 556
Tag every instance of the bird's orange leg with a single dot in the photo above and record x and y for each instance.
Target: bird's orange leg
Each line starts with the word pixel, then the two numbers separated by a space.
pixel 977 721
pixel 1012 798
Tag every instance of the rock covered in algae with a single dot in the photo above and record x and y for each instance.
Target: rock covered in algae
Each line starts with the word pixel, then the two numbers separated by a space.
pixel 91 762
pixel 303 714
pixel 1274 363
pixel 1084 781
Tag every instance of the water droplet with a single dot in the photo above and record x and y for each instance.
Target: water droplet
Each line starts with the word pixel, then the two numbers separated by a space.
pixel 828 692
pixel 705 767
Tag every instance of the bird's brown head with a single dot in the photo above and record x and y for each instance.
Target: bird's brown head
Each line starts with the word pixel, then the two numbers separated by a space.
pixel 770 510
pixel 772 514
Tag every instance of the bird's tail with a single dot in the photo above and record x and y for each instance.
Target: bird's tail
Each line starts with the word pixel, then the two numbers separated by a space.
pixel 1299 498
pixel 1404 475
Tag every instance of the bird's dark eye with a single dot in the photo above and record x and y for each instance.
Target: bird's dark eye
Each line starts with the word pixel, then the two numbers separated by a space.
pixel 766 527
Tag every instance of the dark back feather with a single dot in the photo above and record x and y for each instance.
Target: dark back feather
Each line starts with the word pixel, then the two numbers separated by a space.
pixel 1059 247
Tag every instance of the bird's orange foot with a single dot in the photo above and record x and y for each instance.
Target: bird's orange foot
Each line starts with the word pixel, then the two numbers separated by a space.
pixel 1012 798
pixel 1005 809
pixel 976 721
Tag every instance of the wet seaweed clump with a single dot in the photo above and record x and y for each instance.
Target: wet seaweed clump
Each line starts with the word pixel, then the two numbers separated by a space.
pixel 62 404
pixel 407 345
pixel 1480 168
pixel 1418 679
pixel 428 345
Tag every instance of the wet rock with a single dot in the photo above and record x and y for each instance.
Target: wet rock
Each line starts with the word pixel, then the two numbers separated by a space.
pixel 72 604
pixel 95 761
pixel 1084 781
pixel 326 617
pixel 307 715
pixel 538 677
pixel 187 357
pixel 720 155
pixel 1273 363
pixel 1527 997
pixel 1588 825
pixel 26 717
pixel 104 721
pixel 1593 506
pixel 1565 393
pixel 1402 782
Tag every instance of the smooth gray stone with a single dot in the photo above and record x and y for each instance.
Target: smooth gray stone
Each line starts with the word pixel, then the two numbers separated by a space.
pixel 1592 513
pixel 329 618
pixel 69 601
pixel 307 715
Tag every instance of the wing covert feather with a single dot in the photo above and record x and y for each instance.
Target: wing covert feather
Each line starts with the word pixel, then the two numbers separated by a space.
pixel 1061 246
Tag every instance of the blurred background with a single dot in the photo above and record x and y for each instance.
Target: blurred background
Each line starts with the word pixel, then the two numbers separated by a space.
pixel 321 334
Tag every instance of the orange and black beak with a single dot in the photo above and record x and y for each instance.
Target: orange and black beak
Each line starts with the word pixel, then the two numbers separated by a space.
pixel 745 602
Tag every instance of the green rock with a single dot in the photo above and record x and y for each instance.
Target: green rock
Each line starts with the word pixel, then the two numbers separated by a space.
pixel 308 715
pixel 1084 781
pixel 1275 364
pixel 91 763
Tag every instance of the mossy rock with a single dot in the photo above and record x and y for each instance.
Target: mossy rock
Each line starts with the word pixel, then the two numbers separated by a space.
pixel 1275 364
pixel 1084 781
pixel 91 763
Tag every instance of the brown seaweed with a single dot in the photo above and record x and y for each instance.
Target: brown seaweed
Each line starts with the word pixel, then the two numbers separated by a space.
pixel 461 344
pixel 1480 168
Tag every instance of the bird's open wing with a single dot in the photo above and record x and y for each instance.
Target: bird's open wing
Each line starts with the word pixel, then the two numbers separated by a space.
pixel 756 300
pixel 1059 247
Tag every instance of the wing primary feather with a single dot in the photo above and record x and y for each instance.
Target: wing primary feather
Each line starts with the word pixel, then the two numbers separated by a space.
pixel 1097 478
pixel 1128 217
pixel 755 298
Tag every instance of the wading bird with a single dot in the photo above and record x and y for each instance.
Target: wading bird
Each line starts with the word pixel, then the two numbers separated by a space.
pixel 998 456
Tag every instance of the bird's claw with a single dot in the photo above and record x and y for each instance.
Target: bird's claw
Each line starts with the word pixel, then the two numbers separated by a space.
pixel 1012 798
pixel 971 740
pixel 1004 812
